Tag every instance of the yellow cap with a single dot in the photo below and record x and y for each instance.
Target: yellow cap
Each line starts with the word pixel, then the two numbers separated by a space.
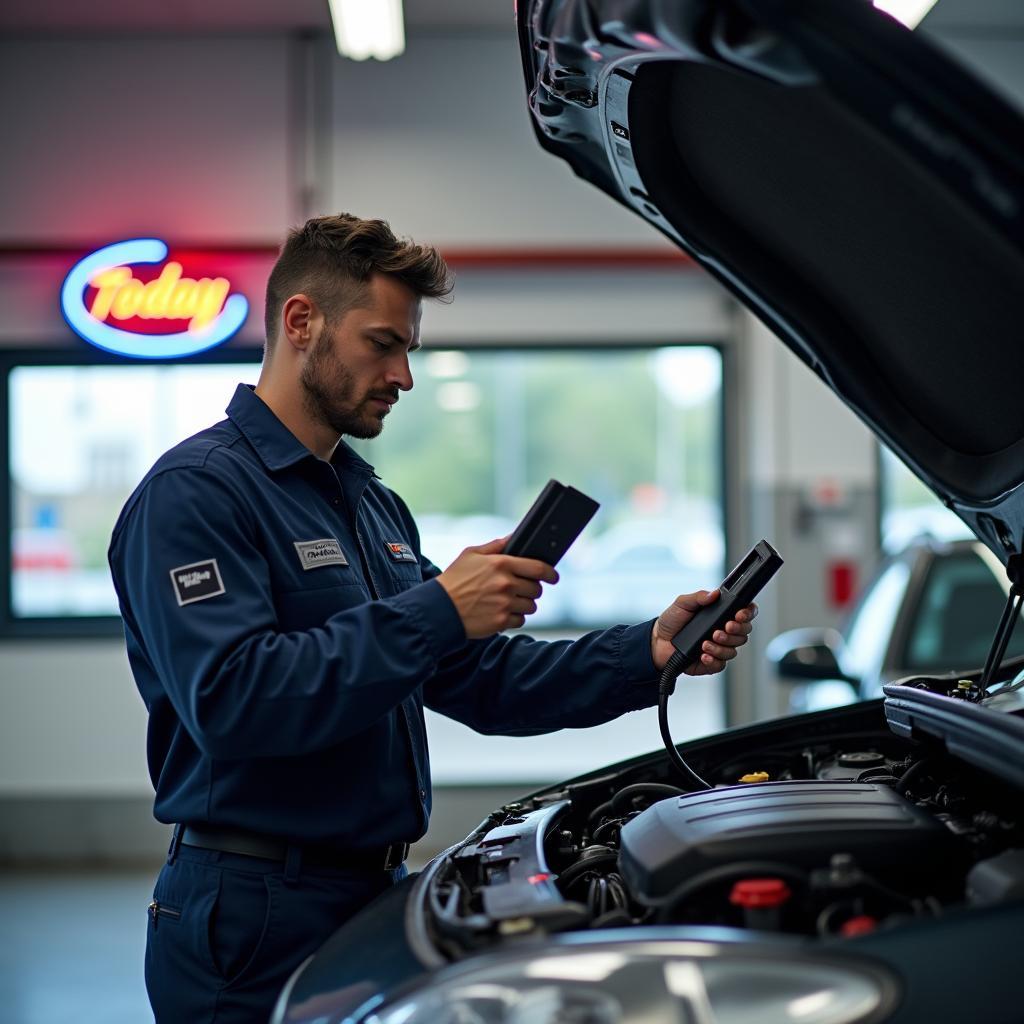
pixel 754 777
pixel 964 684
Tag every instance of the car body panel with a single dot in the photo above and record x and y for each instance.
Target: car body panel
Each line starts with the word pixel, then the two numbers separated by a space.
pixel 757 134
pixel 393 952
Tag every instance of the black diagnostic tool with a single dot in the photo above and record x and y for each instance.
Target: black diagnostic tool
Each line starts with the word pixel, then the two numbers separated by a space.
pixel 738 589
pixel 553 522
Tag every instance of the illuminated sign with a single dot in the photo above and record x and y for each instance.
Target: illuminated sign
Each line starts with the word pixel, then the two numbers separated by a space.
pixel 203 308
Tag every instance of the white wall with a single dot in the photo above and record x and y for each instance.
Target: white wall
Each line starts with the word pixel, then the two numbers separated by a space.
pixel 801 432
pixel 442 145
pixel 115 138
pixel 71 721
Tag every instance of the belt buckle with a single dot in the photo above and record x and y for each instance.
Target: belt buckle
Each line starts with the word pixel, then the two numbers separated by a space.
pixel 395 856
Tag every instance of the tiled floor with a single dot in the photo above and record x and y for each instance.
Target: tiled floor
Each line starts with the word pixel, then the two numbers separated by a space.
pixel 71 947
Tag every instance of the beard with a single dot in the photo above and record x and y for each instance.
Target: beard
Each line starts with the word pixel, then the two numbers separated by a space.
pixel 330 394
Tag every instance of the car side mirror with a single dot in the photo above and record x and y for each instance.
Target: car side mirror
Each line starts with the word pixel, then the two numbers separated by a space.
pixel 802 654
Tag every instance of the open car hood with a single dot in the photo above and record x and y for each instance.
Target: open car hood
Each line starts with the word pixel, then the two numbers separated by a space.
pixel 861 192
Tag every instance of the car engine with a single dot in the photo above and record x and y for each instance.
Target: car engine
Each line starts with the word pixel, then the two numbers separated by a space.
pixel 831 837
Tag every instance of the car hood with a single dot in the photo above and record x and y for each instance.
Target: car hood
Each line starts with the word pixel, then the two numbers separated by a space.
pixel 857 189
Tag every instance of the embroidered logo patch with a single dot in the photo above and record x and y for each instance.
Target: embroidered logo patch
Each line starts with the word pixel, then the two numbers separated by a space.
pixel 314 553
pixel 400 552
pixel 197 581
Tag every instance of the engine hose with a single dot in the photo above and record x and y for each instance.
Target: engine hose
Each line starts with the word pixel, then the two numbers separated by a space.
pixel 618 890
pixel 655 789
pixel 598 813
pixel 581 867
pixel 913 773
pixel 599 833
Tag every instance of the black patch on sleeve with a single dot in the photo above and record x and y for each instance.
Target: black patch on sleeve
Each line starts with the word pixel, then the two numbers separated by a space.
pixel 197 581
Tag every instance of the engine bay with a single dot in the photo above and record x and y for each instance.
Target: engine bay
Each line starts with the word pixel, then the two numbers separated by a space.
pixel 828 836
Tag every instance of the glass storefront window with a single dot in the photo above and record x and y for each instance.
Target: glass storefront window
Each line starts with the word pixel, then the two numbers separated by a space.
pixel 637 429
pixel 80 439
pixel 469 448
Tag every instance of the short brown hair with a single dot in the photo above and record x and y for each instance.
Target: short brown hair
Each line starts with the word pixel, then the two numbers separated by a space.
pixel 330 259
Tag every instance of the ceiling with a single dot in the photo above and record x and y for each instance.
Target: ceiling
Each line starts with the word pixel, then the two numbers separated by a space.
pixel 106 16
pixel 200 16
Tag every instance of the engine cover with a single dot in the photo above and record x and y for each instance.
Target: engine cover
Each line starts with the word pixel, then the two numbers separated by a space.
pixel 796 823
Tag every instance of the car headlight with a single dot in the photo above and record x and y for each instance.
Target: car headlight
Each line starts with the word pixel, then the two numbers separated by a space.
pixel 647 983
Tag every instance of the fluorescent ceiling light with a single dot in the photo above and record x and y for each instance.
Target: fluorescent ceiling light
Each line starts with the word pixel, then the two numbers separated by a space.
pixel 368 28
pixel 908 12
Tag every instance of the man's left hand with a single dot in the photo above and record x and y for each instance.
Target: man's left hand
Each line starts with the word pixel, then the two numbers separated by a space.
pixel 718 650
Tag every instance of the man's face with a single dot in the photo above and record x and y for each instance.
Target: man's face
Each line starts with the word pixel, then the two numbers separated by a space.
pixel 357 367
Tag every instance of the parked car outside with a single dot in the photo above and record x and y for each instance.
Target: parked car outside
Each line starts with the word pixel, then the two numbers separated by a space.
pixel 624 574
pixel 620 575
pixel 932 607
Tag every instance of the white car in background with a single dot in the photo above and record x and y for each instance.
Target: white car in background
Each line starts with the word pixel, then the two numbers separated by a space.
pixel 627 574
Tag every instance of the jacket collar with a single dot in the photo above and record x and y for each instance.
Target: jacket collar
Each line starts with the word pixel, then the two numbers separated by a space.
pixel 273 442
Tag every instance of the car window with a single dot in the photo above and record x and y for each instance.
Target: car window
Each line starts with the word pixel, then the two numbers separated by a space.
pixel 957 616
pixel 868 632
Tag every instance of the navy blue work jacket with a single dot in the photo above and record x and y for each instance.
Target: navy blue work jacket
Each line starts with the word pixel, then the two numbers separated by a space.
pixel 285 634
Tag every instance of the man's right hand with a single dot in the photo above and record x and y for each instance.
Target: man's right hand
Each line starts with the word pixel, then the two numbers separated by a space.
pixel 492 591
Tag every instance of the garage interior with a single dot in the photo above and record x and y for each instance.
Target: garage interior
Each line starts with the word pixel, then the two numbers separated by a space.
pixel 221 125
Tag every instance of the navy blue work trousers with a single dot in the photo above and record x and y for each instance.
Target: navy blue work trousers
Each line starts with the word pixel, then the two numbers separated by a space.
pixel 225 931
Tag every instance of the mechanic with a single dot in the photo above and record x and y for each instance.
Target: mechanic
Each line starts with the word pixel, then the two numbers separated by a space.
pixel 285 633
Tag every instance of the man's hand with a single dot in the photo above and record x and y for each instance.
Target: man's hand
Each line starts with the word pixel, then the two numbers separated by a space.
pixel 718 650
pixel 492 591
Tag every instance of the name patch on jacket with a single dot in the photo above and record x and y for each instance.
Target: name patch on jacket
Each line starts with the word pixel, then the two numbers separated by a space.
pixel 399 552
pixel 197 581
pixel 314 553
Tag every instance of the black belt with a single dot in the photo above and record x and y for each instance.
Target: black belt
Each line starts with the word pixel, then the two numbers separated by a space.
pixel 251 844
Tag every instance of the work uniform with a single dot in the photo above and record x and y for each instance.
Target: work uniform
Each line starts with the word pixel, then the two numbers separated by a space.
pixel 285 633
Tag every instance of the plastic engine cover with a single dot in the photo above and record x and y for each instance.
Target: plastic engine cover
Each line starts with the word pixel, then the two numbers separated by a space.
pixel 797 823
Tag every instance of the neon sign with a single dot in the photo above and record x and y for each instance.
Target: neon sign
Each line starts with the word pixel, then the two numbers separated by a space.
pixel 210 315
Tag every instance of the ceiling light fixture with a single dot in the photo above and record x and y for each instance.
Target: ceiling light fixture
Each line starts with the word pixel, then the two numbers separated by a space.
pixel 907 12
pixel 368 28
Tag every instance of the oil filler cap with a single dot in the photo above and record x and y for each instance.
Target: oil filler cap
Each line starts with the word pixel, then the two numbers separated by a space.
pixel 759 892
pixel 861 759
pixel 755 777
